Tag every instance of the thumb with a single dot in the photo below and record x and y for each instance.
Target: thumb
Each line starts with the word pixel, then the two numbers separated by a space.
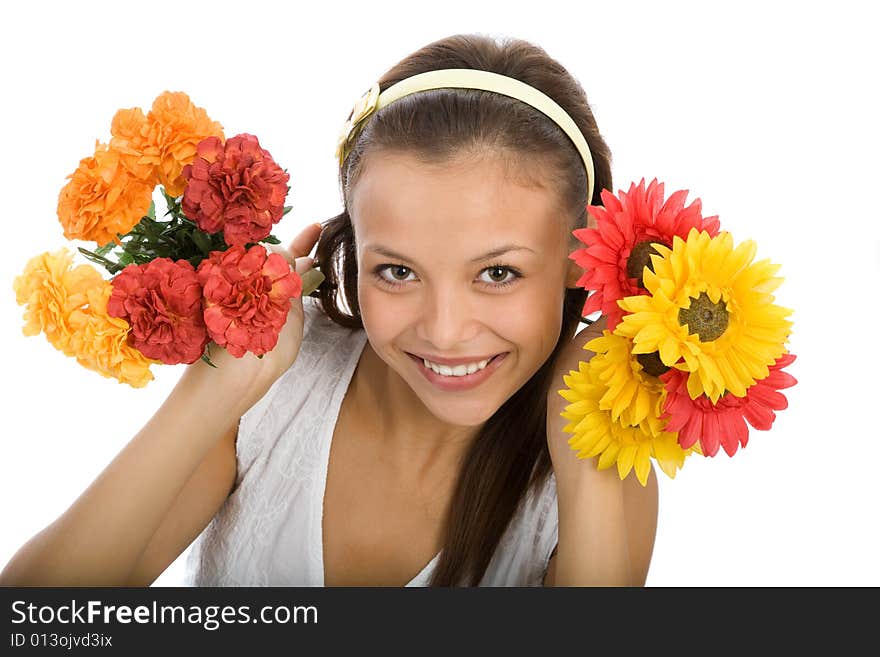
pixel 303 264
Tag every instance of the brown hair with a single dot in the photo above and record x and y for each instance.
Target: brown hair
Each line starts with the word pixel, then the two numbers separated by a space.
pixel 510 451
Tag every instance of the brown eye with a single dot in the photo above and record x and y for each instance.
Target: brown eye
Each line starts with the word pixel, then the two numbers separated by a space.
pixel 396 270
pixel 498 276
pixel 399 274
pixel 497 273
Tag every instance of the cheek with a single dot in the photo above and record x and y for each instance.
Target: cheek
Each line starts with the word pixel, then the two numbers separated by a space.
pixel 531 320
pixel 374 306
pixel 545 323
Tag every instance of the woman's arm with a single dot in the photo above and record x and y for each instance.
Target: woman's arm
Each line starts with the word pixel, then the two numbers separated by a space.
pixel 169 480
pixel 606 526
pixel 606 532
pixel 100 539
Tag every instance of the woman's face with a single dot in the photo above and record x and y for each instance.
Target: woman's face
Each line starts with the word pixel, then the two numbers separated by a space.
pixel 435 291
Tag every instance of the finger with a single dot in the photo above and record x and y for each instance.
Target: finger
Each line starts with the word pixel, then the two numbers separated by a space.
pixel 284 253
pixel 303 243
pixel 303 264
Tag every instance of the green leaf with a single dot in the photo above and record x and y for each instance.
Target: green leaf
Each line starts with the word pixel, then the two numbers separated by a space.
pixel 311 280
pixel 201 240
pixel 271 239
pixel 151 229
pixel 109 265
pixel 104 250
pixel 206 355
pixel 151 213
pixel 287 208
pixel 125 259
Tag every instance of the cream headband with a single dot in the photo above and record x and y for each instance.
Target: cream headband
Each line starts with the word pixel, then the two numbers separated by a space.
pixel 463 78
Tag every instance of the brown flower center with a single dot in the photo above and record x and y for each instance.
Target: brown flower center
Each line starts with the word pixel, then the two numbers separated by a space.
pixel 639 258
pixel 651 363
pixel 708 320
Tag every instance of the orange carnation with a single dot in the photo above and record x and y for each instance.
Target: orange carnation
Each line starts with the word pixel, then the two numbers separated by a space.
pixel 130 130
pixel 174 128
pixel 103 198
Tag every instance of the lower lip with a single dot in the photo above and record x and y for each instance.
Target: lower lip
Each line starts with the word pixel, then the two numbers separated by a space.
pixel 459 383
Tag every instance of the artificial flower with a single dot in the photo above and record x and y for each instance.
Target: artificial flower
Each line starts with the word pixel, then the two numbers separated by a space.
pixel 627 231
pixel 633 395
pixel 51 290
pixel 709 312
pixel 724 422
pixel 162 301
pixel 247 297
pixel 174 129
pixel 596 433
pixel 68 305
pixel 103 198
pixel 235 187
pixel 129 130
pixel 100 342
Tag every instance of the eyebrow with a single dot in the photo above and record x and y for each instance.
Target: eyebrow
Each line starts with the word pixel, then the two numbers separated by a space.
pixel 494 253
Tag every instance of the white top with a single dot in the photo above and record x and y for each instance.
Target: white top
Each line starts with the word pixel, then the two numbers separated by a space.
pixel 269 530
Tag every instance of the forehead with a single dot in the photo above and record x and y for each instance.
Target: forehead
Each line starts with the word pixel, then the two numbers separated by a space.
pixel 400 197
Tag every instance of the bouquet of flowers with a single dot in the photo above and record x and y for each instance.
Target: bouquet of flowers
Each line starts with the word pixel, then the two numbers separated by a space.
pixel 694 346
pixel 178 284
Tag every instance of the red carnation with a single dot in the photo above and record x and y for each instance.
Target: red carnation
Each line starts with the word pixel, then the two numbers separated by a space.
pixel 237 188
pixel 620 247
pixel 247 297
pixel 724 423
pixel 162 302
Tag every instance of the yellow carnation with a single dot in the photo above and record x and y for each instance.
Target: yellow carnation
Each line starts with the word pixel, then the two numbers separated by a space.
pixel 51 291
pixel 69 306
pixel 100 342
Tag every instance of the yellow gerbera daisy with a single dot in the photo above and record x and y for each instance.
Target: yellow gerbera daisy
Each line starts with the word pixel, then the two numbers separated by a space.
pixel 709 312
pixel 633 396
pixel 597 434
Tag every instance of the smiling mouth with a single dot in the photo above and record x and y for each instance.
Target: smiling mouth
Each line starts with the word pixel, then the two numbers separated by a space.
pixel 488 362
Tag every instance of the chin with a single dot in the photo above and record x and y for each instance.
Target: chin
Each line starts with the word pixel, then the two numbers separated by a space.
pixel 463 414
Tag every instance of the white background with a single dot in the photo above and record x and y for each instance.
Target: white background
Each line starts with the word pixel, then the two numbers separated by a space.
pixel 767 112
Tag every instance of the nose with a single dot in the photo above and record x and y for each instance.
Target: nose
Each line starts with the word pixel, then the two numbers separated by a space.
pixel 447 320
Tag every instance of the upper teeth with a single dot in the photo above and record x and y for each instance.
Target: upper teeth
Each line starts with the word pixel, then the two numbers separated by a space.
pixel 458 370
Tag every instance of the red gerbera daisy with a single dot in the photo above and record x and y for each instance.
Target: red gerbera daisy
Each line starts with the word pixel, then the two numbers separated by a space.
pixel 724 423
pixel 619 248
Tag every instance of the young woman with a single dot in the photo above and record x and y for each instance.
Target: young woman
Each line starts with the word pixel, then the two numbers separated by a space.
pixel 406 429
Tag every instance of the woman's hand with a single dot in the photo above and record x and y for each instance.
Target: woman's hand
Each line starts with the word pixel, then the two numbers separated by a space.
pixel 566 465
pixel 250 377
pixel 606 526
